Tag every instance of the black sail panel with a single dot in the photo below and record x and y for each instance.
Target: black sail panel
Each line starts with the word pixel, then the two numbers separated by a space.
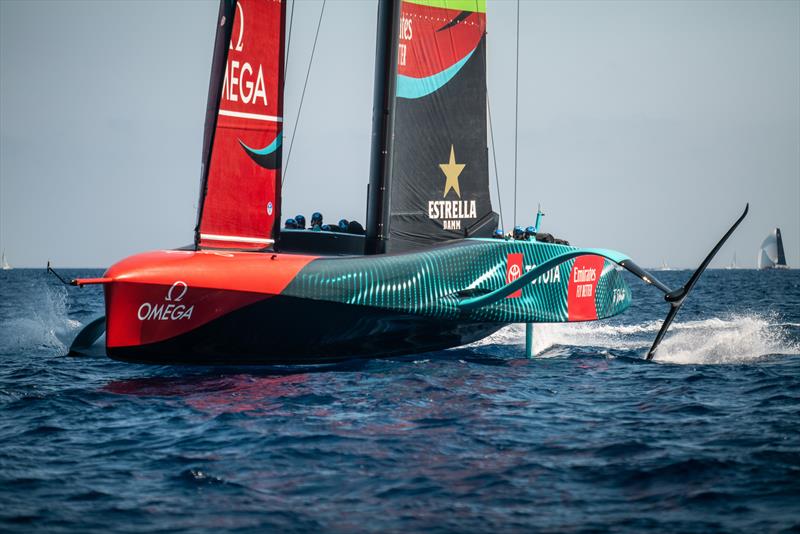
pixel 439 186
pixel 779 240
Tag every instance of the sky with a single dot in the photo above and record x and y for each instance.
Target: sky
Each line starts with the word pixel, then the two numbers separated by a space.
pixel 643 126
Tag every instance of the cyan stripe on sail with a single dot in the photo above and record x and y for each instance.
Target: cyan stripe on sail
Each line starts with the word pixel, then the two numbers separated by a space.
pixel 410 87
pixel 269 149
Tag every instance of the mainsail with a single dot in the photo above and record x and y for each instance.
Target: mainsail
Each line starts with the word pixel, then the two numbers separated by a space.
pixel 771 254
pixel 437 176
pixel 240 193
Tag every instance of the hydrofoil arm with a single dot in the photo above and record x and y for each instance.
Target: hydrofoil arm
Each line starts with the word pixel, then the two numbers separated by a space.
pixel 677 297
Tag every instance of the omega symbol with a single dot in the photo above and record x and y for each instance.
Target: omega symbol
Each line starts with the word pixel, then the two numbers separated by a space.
pixel 241 29
pixel 183 287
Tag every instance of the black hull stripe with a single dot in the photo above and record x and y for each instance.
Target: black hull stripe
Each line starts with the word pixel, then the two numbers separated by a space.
pixel 289 330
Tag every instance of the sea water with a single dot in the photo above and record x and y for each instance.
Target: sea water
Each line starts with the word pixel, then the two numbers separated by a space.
pixel 586 436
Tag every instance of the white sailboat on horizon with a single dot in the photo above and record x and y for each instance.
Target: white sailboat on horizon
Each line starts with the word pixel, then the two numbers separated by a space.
pixel 5 265
pixel 771 254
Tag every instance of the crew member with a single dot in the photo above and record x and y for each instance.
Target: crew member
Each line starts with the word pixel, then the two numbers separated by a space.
pixel 290 224
pixel 301 222
pixel 354 227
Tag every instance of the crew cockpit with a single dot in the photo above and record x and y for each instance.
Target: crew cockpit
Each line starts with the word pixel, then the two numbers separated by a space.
pixel 318 224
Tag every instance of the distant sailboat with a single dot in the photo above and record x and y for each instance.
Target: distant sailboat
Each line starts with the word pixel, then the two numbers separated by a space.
pixel 733 264
pixel 664 266
pixel 6 266
pixel 771 255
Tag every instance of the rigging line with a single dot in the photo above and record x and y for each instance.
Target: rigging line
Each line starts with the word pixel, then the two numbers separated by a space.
pixel 516 120
pixel 494 157
pixel 303 95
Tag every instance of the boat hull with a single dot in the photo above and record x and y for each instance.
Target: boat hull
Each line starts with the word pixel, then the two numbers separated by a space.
pixel 220 307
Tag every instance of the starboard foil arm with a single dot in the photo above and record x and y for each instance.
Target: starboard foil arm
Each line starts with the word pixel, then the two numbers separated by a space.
pixel 677 297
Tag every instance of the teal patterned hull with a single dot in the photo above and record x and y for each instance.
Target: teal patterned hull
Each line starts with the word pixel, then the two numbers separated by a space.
pixel 335 308
pixel 433 283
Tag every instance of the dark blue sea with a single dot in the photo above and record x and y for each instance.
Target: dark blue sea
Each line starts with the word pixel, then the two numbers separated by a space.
pixel 585 437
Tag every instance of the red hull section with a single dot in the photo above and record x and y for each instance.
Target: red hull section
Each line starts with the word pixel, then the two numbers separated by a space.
pixel 582 286
pixel 155 296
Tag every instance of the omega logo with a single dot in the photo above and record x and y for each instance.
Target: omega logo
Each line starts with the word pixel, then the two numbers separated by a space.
pixel 182 291
pixel 167 312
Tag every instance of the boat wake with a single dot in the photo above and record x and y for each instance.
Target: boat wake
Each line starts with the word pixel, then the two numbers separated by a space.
pixel 41 323
pixel 733 339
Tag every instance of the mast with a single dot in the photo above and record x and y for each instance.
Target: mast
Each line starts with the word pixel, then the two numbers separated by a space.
pixel 383 106
pixel 218 62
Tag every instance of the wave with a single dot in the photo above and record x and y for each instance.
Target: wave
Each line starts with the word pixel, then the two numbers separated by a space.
pixel 42 323
pixel 718 340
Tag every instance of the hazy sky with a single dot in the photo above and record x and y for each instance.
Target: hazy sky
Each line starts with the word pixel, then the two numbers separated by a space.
pixel 644 126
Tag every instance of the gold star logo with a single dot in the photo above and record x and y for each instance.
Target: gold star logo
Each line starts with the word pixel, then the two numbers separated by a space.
pixel 452 170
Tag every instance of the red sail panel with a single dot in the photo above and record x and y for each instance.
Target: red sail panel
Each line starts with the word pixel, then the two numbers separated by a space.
pixel 240 201
pixel 433 39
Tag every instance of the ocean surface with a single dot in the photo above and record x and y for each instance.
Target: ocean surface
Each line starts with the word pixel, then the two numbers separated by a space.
pixel 585 437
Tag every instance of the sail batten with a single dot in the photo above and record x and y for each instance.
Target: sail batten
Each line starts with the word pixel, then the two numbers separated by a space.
pixel 240 195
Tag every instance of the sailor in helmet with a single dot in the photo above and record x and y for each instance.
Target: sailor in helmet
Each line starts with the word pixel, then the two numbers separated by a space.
pixel 519 233
pixel 291 224
pixel 316 220
pixel 301 222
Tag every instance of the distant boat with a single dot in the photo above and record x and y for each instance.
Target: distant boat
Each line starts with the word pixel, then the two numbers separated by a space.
pixel 5 265
pixel 664 266
pixel 771 255
pixel 733 264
